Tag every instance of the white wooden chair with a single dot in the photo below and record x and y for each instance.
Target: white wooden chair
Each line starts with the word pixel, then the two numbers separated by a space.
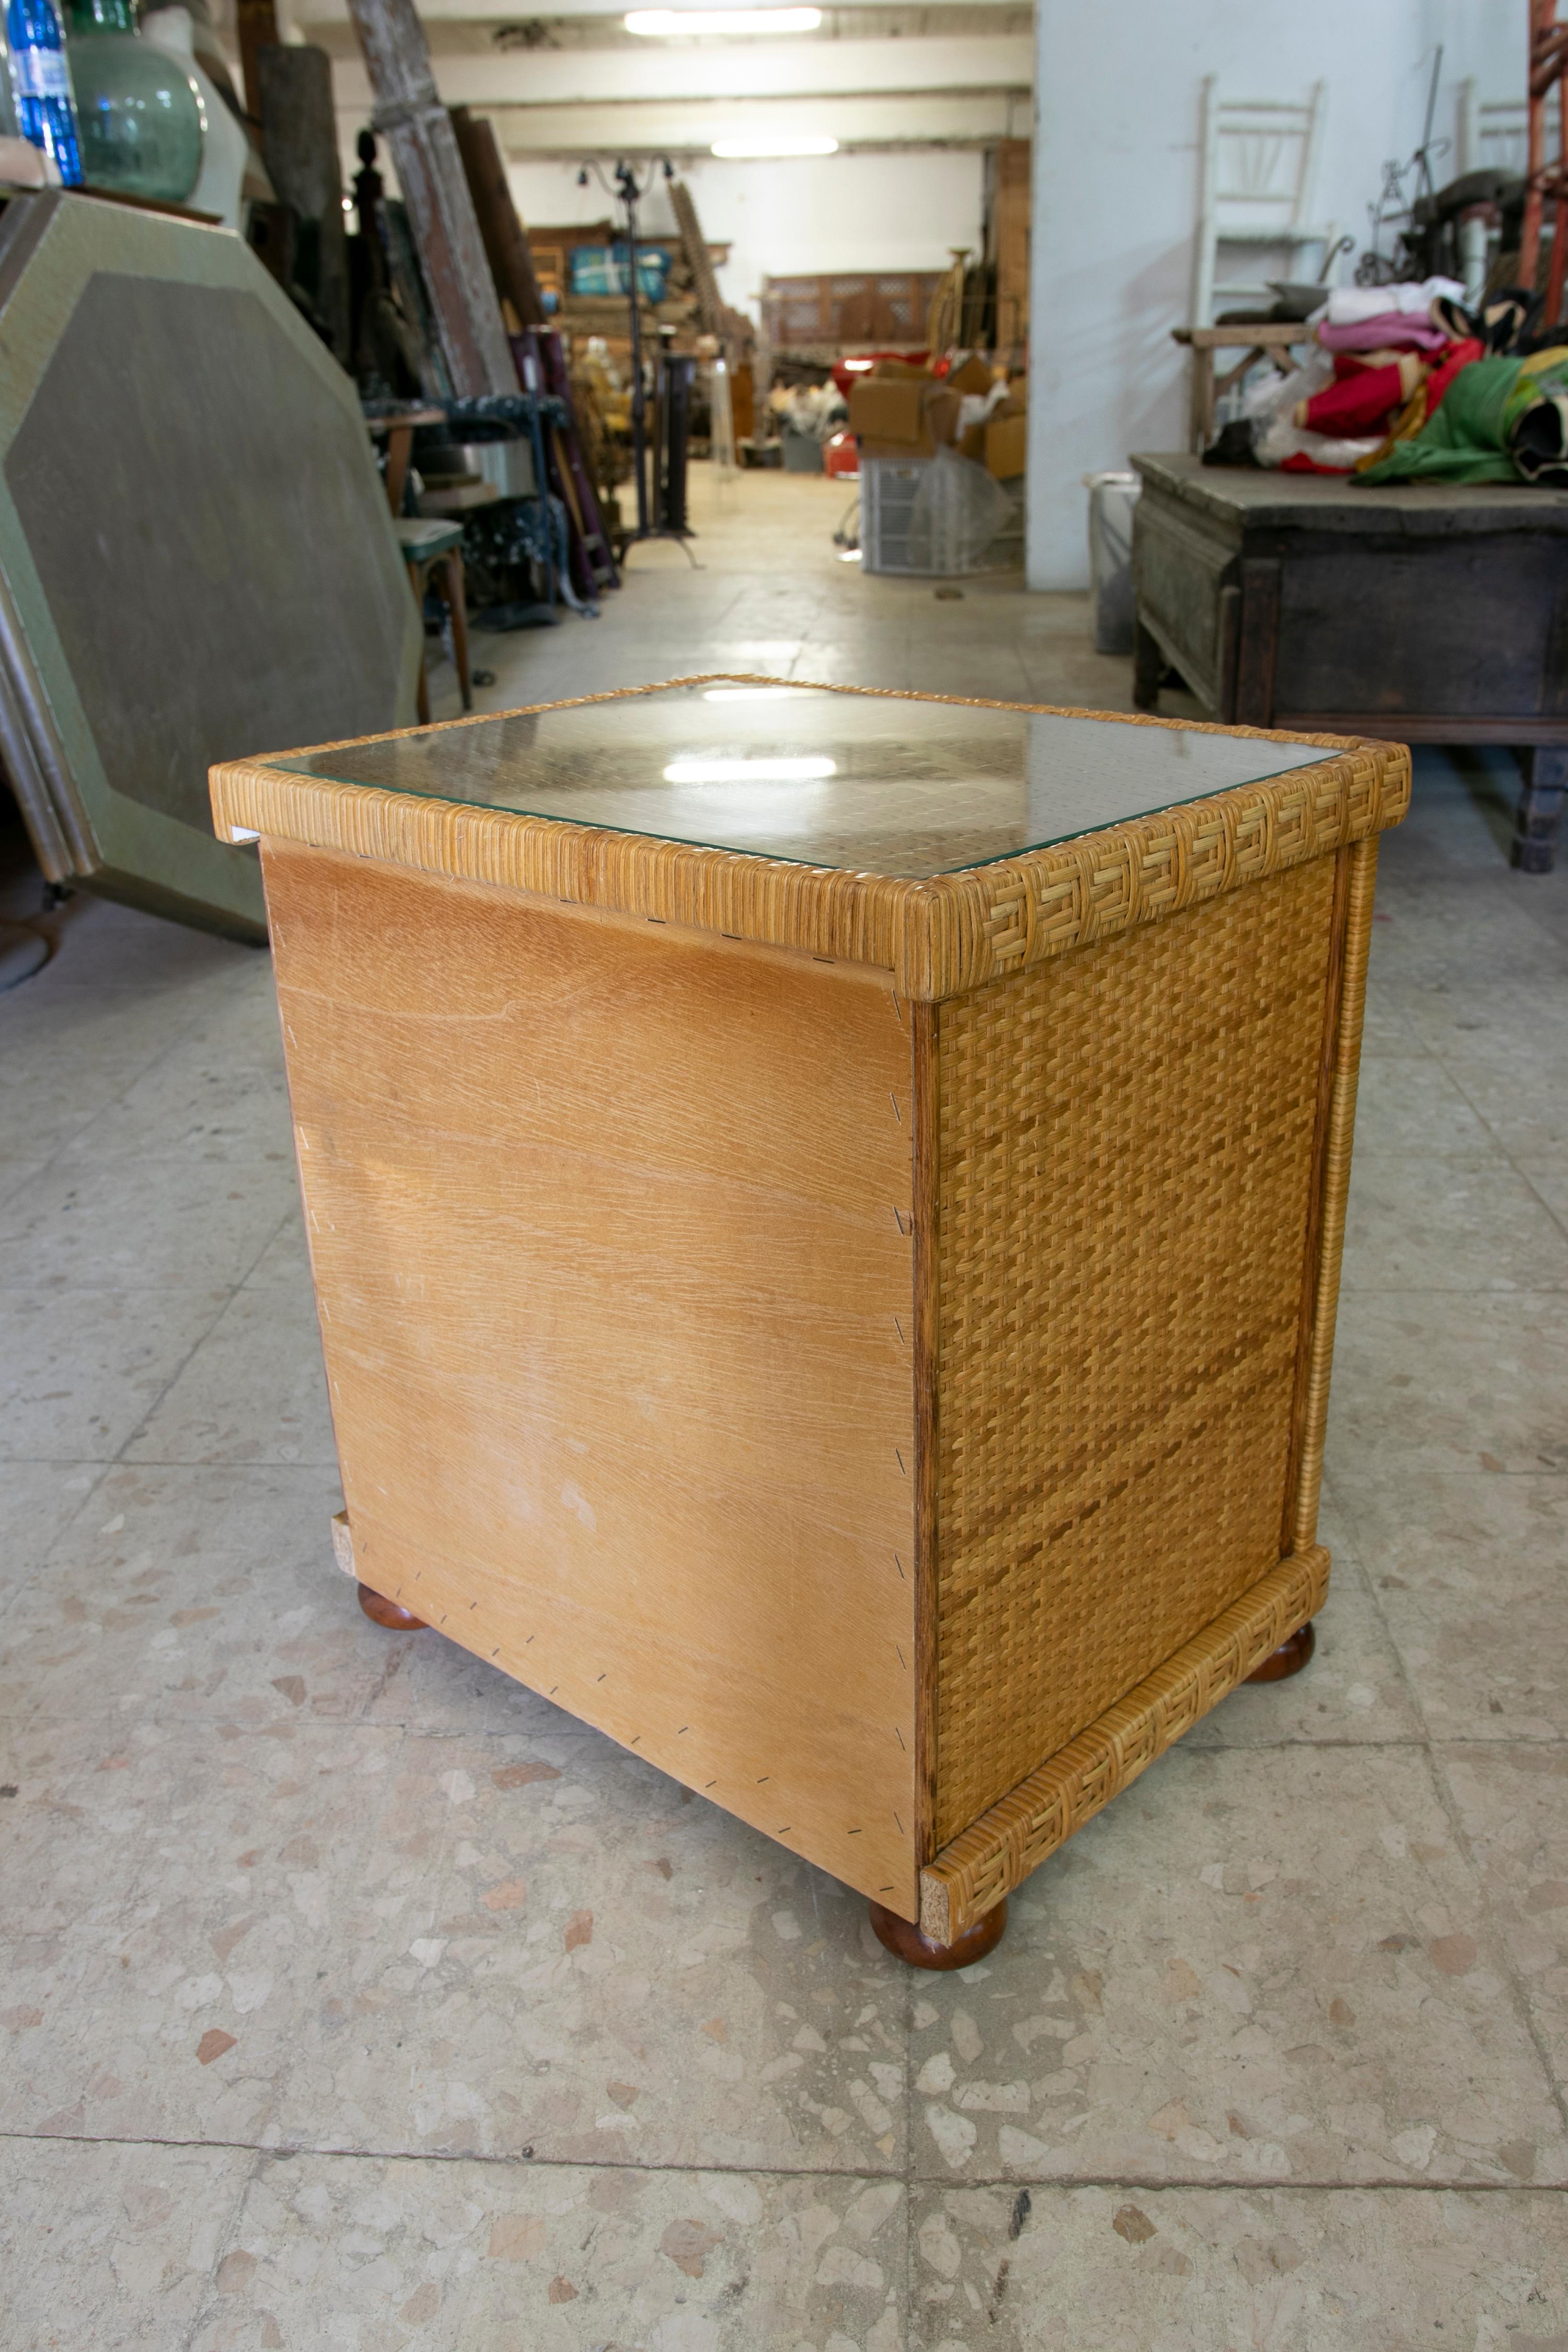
pixel 1495 132
pixel 1257 161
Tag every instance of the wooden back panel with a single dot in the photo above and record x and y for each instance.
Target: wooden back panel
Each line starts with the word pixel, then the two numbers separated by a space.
pixel 611 1231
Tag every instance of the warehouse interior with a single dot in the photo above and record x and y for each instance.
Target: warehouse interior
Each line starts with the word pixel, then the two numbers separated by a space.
pixel 368 366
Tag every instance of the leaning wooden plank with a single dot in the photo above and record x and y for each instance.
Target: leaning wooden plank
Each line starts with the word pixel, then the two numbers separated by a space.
pixel 300 145
pixel 409 111
pixel 700 260
pixel 506 240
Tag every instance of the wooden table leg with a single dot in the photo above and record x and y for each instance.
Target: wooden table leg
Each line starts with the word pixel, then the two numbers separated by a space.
pixel 1289 1658
pixel 456 604
pixel 399 449
pixel 906 1942
pixel 390 1613
pixel 1200 402
pixel 1260 642
pixel 1148 670
pixel 1539 814
pixel 422 692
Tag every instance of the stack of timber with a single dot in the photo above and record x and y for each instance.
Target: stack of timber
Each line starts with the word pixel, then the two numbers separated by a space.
pixel 537 353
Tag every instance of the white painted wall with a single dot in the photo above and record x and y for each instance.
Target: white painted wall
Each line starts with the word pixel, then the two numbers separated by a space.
pixel 899 211
pixel 1116 190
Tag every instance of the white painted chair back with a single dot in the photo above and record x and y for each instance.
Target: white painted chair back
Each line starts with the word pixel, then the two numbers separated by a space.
pixel 1494 133
pixel 1258 163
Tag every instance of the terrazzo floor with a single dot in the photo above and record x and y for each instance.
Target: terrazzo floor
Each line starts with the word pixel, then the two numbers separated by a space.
pixel 353 1997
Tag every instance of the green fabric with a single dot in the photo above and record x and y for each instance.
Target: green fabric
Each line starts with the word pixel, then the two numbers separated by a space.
pixel 1465 441
pixel 1533 384
pixel 1537 423
pixel 1538 441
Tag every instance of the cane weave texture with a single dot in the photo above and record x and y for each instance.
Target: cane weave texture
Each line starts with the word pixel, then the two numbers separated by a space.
pixel 999 1849
pixel 1125 1141
pixel 1339 1128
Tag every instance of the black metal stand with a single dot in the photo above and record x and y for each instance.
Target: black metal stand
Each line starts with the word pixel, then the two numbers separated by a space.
pixel 672 433
pixel 672 400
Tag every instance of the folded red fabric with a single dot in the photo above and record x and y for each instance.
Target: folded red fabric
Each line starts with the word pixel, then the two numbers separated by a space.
pixel 1356 403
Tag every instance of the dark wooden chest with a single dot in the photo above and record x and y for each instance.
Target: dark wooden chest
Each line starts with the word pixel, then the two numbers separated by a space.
pixel 1429 613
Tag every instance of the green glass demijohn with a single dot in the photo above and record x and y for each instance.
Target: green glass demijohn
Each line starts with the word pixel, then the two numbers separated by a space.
pixel 140 119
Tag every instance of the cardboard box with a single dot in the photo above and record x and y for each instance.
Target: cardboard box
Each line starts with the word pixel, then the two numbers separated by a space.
pixel 892 409
pixel 941 415
pixel 976 441
pixel 1007 447
pixel 973 376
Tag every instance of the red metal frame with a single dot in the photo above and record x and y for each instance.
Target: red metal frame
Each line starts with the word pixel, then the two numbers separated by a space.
pixel 1548 177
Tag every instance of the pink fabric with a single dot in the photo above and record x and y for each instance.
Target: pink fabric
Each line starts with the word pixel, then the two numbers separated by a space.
pixel 1390 330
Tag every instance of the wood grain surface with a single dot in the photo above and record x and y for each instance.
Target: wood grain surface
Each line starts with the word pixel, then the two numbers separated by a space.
pixel 612 1235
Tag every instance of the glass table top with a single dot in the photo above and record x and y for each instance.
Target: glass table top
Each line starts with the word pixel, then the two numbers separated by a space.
pixel 879 784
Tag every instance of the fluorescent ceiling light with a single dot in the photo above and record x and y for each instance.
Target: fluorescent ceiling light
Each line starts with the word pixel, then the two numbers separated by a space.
pixel 778 144
pixel 857 367
pixel 663 24
pixel 749 771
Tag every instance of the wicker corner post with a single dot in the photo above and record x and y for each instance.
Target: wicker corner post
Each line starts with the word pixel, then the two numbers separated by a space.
pixel 860 1338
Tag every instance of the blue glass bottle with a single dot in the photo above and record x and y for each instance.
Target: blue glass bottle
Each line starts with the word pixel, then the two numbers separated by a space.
pixel 41 79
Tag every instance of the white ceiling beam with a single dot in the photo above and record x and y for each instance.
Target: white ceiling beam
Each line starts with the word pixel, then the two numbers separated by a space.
pixel 308 13
pixel 754 69
pixel 688 127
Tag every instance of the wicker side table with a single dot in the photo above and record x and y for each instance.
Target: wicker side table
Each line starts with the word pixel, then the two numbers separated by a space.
pixel 825 1212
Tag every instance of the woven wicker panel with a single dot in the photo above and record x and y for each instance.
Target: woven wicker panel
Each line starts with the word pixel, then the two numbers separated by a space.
pixel 1124 1145
pixel 997 1851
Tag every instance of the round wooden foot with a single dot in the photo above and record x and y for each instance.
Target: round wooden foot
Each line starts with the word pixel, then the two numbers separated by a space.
pixel 906 1942
pixel 390 1613
pixel 1289 1658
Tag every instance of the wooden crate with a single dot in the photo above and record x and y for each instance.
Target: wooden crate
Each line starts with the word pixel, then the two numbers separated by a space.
pixel 859 1337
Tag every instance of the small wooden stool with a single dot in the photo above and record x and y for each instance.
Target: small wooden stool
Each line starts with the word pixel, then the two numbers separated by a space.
pixel 1268 338
pixel 432 548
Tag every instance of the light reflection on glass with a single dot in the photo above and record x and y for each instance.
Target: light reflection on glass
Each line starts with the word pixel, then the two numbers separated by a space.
pixel 749 771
